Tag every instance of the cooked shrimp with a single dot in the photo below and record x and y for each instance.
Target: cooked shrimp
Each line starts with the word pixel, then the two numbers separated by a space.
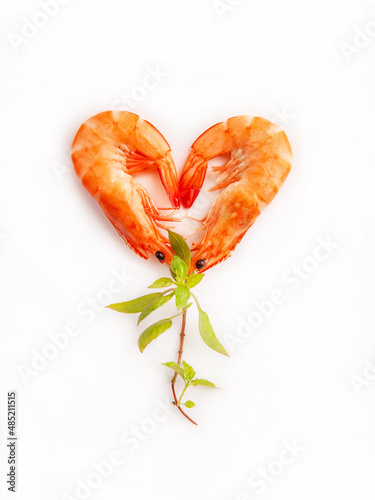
pixel 107 151
pixel 260 161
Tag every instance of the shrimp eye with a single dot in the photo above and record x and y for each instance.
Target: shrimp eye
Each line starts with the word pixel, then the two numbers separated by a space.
pixel 200 263
pixel 160 256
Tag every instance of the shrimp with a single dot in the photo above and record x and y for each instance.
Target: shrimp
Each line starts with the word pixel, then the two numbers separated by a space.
pixel 108 149
pixel 260 160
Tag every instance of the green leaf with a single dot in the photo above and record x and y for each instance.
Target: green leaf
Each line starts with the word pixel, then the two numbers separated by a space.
pixel 173 274
pixel 175 367
pixel 193 279
pixel 180 247
pixel 208 334
pixel 189 404
pixel 135 305
pixel 155 304
pixel 202 381
pixel 189 371
pixel 152 332
pixel 182 293
pixel 178 268
pixel 161 283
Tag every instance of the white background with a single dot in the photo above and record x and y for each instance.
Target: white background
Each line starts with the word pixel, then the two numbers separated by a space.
pixel 305 373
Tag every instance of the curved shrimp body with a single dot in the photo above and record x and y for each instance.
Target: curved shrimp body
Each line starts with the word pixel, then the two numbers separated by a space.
pixel 260 160
pixel 107 150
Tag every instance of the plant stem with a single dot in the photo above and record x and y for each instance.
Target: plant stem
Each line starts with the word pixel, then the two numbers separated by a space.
pixel 179 407
pixel 182 338
pixel 196 301
pixel 177 315
pixel 182 393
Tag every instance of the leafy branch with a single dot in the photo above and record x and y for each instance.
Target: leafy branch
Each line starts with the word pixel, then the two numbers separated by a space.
pixel 179 287
pixel 187 373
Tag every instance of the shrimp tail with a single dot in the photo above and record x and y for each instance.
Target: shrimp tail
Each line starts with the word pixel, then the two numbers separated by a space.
pixel 192 178
pixel 168 176
pixel 215 141
pixel 137 162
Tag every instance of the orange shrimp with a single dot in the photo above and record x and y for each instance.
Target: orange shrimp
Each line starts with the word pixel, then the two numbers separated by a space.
pixel 108 149
pixel 260 161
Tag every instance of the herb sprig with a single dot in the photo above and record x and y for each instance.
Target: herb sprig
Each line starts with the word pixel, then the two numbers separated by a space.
pixel 179 287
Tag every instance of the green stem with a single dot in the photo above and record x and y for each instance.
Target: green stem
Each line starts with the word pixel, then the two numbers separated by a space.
pixel 183 392
pixel 196 300
pixel 177 315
